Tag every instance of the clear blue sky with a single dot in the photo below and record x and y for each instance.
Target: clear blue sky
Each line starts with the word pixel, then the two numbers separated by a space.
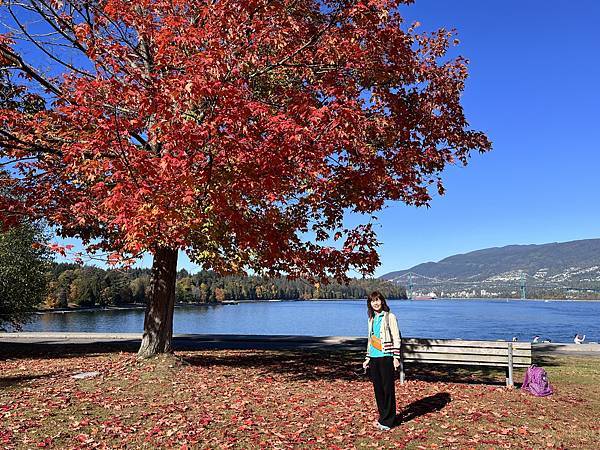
pixel 534 89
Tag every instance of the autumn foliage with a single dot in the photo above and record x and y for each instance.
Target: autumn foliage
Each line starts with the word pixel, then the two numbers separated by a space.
pixel 250 399
pixel 227 128
pixel 238 131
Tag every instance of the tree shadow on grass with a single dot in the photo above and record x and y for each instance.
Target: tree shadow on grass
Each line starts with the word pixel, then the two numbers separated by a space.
pixel 12 380
pixel 54 350
pixel 297 365
pixel 58 348
pixel 423 406
pixel 452 373
pixel 339 365
pixel 548 360
pixel 307 364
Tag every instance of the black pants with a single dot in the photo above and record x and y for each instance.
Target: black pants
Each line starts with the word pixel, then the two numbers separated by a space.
pixel 382 375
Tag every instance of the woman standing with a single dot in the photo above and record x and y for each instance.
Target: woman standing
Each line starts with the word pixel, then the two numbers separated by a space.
pixel 383 357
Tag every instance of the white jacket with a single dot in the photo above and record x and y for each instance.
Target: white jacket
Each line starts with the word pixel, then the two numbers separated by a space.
pixel 390 334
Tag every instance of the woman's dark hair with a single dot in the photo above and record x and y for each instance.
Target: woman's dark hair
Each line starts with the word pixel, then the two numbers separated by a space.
pixel 374 296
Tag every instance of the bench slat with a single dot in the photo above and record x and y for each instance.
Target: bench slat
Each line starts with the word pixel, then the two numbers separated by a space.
pixel 463 358
pixel 461 343
pixel 463 363
pixel 463 350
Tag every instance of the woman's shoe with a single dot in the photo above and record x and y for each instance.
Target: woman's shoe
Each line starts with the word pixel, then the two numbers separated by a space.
pixel 382 427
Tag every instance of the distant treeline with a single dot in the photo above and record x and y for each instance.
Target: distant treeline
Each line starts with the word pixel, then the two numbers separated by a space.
pixel 73 285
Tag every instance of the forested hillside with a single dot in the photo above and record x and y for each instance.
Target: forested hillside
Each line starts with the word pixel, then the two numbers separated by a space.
pixel 73 285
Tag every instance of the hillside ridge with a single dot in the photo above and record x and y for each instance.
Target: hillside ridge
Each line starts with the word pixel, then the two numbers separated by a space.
pixel 501 270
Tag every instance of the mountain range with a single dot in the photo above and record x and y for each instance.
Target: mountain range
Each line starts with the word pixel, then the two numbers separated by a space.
pixel 566 269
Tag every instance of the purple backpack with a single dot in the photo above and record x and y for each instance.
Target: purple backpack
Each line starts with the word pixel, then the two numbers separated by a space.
pixel 536 382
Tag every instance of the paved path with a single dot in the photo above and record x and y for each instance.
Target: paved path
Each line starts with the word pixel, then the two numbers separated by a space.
pixel 191 341
pixel 230 341
pixel 592 350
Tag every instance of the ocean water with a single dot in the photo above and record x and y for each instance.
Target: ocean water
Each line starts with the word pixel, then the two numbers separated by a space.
pixel 558 321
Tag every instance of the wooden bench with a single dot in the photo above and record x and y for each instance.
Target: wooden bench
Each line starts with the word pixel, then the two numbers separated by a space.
pixel 467 353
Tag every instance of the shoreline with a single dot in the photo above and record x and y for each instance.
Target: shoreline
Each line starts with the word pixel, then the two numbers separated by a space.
pixel 136 306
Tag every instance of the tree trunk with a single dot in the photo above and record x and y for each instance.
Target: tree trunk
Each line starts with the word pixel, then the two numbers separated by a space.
pixel 158 321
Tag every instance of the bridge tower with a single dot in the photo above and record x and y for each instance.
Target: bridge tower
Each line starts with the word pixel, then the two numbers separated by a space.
pixel 523 286
pixel 409 286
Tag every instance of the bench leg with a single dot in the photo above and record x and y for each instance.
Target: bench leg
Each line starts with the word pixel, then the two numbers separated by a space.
pixel 509 368
pixel 401 372
pixel 509 377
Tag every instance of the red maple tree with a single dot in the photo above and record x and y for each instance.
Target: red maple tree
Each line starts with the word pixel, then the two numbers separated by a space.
pixel 233 130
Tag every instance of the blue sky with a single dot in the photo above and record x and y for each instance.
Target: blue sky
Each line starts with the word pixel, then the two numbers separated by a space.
pixel 533 88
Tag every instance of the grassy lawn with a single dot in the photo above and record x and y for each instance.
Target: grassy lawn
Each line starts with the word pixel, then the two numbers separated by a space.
pixel 275 399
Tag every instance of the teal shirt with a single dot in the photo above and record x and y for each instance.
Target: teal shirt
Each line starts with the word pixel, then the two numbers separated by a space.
pixel 373 352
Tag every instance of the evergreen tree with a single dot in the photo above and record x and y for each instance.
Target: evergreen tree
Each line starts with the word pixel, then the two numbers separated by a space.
pixel 23 274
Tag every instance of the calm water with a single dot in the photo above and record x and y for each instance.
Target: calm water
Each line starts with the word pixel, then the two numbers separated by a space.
pixel 466 319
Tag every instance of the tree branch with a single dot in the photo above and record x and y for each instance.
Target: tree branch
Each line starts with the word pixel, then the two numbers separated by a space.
pixel 41 47
pixel 313 40
pixel 18 62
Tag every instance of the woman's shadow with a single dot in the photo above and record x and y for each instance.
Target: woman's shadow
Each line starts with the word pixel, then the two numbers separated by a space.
pixel 423 406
